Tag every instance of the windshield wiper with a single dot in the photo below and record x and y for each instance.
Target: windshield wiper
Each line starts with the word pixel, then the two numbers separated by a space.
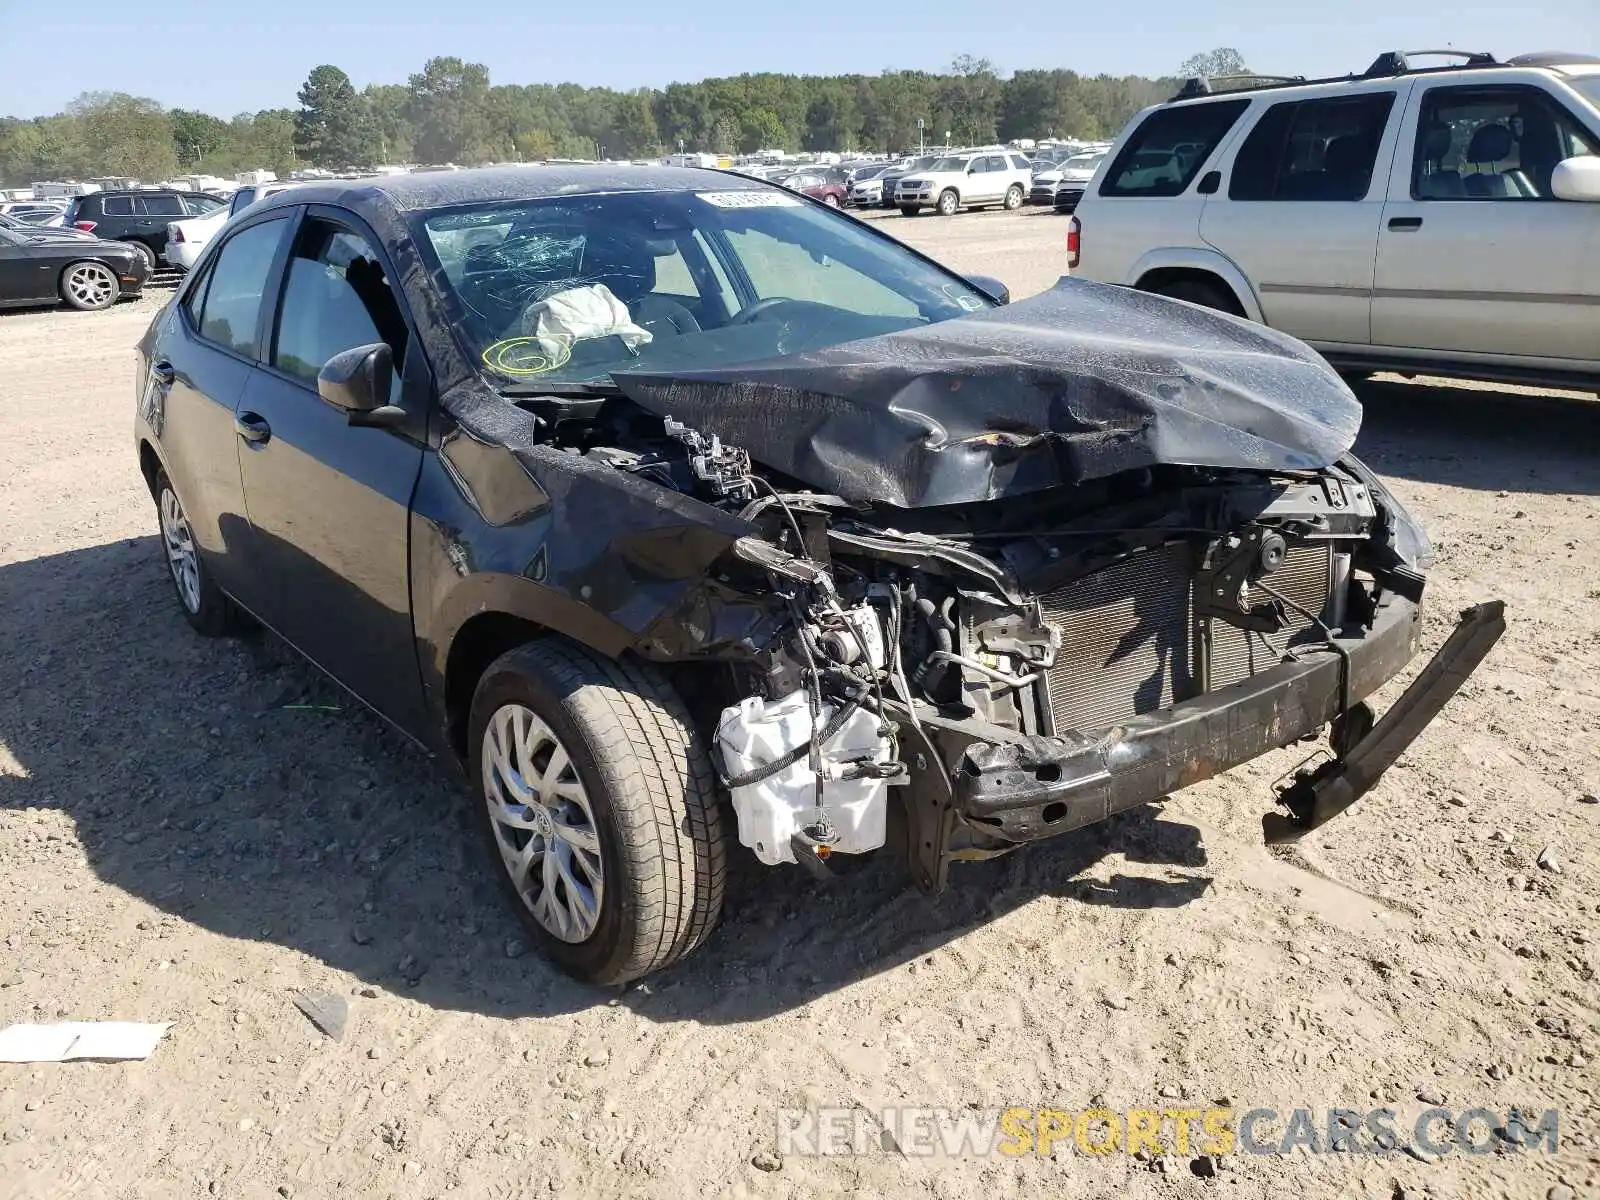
pixel 532 387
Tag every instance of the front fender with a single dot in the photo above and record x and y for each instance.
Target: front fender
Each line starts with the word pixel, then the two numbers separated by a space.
pixel 1195 258
pixel 601 556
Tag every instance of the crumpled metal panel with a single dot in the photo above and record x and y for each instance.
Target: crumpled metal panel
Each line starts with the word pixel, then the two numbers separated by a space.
pixel 1080 382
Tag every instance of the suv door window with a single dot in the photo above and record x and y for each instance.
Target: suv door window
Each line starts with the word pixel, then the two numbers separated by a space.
pixel 199 206
pixel 117 206
pixel 997 162
pixel 1165 153
pixel 161 206
pixel 1313 149
pixel 1492 143
pixel 335 298
pixel 232 305
pixel 1021 163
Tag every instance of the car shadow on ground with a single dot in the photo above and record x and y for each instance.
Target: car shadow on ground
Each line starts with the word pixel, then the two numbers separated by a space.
pixel 231 784
pixel 1480 437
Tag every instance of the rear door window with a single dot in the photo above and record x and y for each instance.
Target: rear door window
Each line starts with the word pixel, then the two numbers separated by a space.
pixel 161 206
pixel 117 206
pixel 1313 149
pixel 232 305
pixel 1166 152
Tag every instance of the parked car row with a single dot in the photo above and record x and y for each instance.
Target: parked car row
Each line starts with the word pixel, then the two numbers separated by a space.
pixel 1411 218
pixel 139 218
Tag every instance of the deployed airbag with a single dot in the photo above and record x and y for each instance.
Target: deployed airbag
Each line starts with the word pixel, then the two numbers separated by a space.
pixel 1080 382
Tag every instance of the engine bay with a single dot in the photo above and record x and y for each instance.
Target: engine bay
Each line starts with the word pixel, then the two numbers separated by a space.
pixel 903 636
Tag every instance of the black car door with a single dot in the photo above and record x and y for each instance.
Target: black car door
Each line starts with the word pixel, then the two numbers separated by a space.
pixel 329 503
pixel 156 213
pixel 18 269
pixel 201 356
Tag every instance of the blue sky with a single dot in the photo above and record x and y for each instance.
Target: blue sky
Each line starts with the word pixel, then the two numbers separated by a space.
pixel 228 57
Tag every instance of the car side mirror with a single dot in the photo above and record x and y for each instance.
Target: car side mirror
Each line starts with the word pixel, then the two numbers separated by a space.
pixel 991 287
pixel 358 381
pixel 1577 179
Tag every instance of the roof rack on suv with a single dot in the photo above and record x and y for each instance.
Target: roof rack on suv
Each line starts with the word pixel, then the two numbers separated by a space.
pixel 1398 62
pixel 1385 66
pixel 1203 85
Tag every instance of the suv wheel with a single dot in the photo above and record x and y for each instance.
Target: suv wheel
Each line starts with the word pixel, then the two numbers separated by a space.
pixel 597 800
pixel 1197 291
pixel 145 253
pixel 1014 196
pixel 948 202
pixel 90 286
pixel 204 606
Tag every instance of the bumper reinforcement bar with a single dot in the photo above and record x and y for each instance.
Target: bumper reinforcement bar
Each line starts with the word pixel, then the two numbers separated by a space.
pixel 1317 796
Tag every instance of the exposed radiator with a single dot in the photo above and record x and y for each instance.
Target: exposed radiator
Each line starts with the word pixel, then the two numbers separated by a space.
pixel 1125 639
pixel 1130 643
pixel 1306 577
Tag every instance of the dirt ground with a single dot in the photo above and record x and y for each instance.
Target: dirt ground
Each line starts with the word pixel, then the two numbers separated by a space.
pixel 187 835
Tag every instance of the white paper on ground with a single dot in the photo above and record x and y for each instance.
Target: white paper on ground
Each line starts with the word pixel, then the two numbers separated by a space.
pixel 79 1039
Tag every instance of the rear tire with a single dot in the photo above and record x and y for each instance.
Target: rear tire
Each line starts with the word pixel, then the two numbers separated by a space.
pixel 949 202
pixel 209 612
pixel 652 891
pixel 1197 291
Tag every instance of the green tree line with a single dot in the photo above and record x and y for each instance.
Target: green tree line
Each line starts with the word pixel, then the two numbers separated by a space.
pixel 450 112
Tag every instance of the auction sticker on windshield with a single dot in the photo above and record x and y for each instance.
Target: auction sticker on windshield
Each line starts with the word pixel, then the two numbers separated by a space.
pixel 750 199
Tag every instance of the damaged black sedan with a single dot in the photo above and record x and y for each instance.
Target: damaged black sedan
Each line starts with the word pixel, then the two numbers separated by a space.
pixel 679 509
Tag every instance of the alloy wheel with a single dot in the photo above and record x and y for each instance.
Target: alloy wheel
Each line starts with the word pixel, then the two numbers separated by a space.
pixel 543 823
pixel 181 555
pixel 91 284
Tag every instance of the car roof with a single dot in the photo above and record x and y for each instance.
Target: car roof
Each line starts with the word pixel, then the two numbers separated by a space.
pixel 440 189
pixel 140 192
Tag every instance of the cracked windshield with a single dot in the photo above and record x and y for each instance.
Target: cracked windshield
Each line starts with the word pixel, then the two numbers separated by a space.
pixel 572 290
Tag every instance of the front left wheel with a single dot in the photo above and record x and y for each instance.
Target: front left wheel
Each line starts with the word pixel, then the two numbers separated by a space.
pixel 598 805
pixel 1013 197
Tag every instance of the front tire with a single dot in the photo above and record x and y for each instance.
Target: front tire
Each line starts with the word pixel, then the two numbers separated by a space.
pixel 1013 197
pixel 831 201
pixel 948 202
pixel 598 804
pixel 89 286
pixel 204 605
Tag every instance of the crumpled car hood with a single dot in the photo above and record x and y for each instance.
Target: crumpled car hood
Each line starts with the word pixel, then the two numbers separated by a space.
pixel 1080 382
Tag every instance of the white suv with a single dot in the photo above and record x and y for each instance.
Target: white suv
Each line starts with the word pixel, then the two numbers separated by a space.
pixel 966 181
pixel 1440 219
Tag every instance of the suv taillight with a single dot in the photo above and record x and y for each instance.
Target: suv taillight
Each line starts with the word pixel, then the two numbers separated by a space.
pixel 86 226
pixel 1074 243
